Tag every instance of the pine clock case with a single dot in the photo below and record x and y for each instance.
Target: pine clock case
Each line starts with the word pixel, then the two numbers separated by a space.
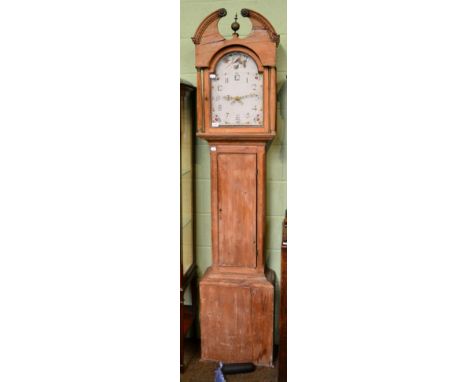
pixel 237 291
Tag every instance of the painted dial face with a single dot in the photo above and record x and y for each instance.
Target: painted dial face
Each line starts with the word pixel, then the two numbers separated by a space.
pixel 236 92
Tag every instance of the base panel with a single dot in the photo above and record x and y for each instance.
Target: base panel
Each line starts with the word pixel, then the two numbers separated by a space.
pixel 236 318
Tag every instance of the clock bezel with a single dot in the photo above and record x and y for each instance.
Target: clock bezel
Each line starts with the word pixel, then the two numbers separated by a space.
pixel 268 105
pixel 212 70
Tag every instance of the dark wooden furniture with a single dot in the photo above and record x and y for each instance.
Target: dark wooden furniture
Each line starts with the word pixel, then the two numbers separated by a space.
pixel 283 314
pixel 236 113
pixel 188 268
pixel 187 312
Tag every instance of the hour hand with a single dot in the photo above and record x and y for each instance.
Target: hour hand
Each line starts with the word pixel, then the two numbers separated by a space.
pixel 233 99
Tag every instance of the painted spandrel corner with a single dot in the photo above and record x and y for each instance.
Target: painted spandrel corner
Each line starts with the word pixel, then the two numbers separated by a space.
pixel 236 67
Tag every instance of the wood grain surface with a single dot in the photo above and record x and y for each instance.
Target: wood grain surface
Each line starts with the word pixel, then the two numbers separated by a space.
pixel 237 208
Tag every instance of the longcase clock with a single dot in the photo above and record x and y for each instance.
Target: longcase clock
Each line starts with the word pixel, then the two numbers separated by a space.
pixel 236 110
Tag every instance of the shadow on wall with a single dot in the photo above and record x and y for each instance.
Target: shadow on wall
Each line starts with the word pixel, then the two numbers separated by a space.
pixel 283 100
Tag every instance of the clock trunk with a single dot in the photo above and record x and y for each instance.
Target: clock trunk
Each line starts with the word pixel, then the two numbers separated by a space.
pixel 236 307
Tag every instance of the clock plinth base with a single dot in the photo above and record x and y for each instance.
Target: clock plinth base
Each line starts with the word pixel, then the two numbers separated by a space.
pixel 236 317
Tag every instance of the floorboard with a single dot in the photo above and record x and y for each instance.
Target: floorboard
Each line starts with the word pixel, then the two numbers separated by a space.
pixel 203 371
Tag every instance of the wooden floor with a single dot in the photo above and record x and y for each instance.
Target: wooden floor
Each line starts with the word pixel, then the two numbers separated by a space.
pixel 203 371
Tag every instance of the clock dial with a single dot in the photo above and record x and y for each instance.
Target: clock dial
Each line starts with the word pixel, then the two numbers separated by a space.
pixel 236 92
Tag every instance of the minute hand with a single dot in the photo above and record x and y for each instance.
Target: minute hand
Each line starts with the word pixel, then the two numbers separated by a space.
pixel 249 95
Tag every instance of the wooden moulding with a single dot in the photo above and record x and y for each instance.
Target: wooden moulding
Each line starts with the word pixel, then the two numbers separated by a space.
pixel 263 38
pixel 200 123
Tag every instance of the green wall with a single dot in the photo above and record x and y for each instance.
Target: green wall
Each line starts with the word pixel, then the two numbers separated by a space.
pixel 192 12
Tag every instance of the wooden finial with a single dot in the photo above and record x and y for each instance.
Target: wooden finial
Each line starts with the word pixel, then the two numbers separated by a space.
pixel 235 26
